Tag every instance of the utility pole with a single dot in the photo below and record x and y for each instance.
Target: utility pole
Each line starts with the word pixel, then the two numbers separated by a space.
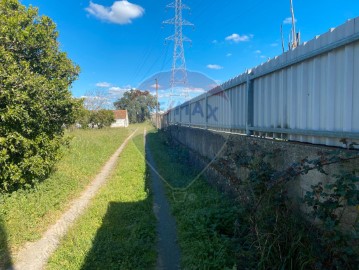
pixel 294 33
pixel 281 34
pixel 157 116
pixel 179 71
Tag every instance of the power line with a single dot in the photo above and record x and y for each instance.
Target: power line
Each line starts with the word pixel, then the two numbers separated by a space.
pixel 163 54
pixel 144 59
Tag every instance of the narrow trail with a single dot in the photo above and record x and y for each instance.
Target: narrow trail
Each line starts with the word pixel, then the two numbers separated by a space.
pixel 34 256
pixel 169 255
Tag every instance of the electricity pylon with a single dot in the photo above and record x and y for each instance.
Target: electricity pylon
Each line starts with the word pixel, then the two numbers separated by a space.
pixel 179 71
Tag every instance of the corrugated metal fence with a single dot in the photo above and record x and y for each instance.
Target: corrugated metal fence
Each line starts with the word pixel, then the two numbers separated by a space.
pixel 309 94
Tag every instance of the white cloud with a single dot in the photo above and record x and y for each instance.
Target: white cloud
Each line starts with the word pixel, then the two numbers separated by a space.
pixel 154 86
pixel 257 52
pixel 239 38
pixel 217 67
pixel 116 89
pixel 213 85
pixel 215 41
pixel 193 90
pixel 103 84
pixel 164 95
pixel 228 54
pixel 94 98
pixel 288 20
pixel 274 45
pixel 121 12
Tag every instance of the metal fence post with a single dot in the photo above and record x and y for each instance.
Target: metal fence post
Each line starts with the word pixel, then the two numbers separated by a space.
pixel 206 109
pixel 249 104
pixel 180 112
pixel 190 113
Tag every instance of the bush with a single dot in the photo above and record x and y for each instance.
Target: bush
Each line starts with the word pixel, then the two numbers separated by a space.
pixel 101 118
pixel 35 101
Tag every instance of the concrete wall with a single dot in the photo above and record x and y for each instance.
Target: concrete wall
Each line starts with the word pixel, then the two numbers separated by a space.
pixel 210 146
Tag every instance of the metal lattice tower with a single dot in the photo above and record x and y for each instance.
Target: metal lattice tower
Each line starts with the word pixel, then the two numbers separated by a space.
pixel 179 71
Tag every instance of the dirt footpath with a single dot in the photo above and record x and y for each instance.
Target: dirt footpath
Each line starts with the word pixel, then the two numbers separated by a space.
pixel 34 256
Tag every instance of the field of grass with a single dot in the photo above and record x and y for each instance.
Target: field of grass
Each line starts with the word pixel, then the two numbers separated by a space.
pixel 25 215
pixel 205 217
pixel 118 229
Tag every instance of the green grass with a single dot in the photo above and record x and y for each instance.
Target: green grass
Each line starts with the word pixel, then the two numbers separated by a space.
pixel 205 217
pixel 26 214
pixel 118 229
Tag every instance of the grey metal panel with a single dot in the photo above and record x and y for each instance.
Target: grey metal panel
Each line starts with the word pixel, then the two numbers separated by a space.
pixel 197 112
pixel 314 88
pixel 238 105
pixel 185 119
pixel 355 96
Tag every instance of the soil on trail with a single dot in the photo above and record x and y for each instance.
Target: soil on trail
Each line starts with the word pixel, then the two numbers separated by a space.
pixel 34 256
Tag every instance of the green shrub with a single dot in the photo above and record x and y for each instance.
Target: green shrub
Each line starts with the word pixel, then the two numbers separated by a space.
pixel 35 101
pixel 102 118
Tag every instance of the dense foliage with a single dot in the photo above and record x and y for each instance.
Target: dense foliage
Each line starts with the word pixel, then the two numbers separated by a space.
pixel 273 233
pixel 139 105
pixel 264 227
pixel 35 101
pixel 90 119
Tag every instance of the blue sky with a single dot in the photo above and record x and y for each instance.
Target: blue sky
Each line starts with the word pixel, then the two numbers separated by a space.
pixel 121 49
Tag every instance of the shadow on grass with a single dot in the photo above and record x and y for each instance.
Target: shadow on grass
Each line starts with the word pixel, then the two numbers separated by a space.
pixel 127 237
pixel 5 257
pixel 123 241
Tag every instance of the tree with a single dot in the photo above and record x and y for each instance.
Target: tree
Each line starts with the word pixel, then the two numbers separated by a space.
pixel 139 105
pixel 83 115
pixel 97 99
pixel 101 118
pixel 35 101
